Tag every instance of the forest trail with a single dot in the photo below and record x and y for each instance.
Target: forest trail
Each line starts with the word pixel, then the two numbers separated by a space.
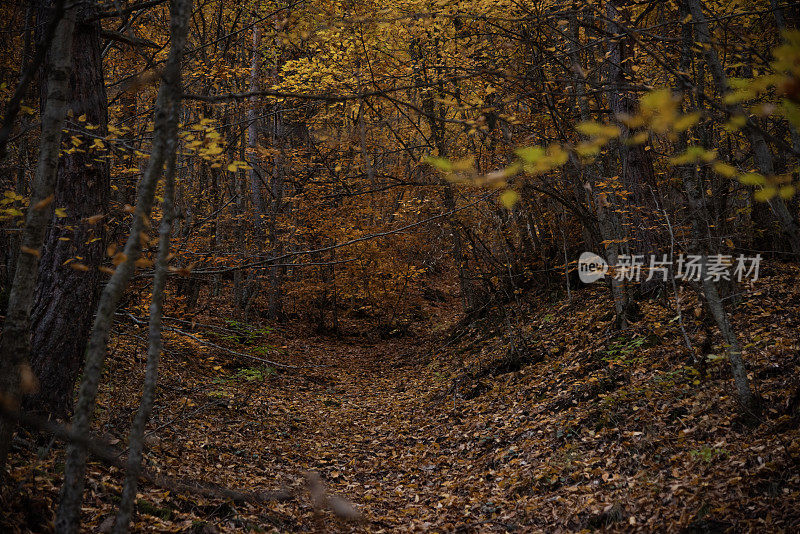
pixel 365 422
pixel 424 432
pixel 365 416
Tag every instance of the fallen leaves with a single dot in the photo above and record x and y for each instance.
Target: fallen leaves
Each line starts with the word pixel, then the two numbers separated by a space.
pixel 587 436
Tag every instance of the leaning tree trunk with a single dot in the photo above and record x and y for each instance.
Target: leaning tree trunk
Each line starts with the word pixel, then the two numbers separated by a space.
pixel 136 441
pixel 15 340
pixel 67 293
pixel 700 228
pixel 758 143
pixel 700 240
pixel 164 140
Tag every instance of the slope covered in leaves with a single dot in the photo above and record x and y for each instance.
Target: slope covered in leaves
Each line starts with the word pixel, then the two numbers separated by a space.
pixel 441 430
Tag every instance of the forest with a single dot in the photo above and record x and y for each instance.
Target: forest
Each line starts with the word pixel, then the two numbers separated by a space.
pixel 452 266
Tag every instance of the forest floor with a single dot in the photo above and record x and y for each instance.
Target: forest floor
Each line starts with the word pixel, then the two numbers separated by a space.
pixel 437 430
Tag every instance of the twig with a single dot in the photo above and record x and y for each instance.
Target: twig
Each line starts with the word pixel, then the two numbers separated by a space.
pixel 107 454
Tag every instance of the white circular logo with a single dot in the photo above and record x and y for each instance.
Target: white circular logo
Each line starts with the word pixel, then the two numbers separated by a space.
pixel 591 267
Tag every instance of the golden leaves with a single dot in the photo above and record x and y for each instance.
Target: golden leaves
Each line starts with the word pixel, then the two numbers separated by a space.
pixel 11 211
pixel 42 204
pixel 598 130
pixel 443 164
pixel 723 169
pixel 237 165
pixel 538 160
pixel 509 198
pixel 694 154
pixel 31 251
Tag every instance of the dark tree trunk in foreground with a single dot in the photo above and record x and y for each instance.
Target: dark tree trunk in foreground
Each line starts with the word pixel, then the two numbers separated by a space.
pixel 67 296
pixel 165 126
pixel 635 162
pixel 15 340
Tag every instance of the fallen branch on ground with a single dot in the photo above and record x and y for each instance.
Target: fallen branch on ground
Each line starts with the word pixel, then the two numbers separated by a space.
pixel 104 452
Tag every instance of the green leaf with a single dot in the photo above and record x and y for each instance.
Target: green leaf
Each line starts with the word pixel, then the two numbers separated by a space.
pixel 509 198
pixel 443 164
pixel 766 194
pixel 530 154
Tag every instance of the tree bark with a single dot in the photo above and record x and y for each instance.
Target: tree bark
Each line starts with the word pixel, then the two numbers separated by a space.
pixel 136 440
pixel 66 297
pixel 164 141
pixel 609 224
pixel 15 340
pixel 635 163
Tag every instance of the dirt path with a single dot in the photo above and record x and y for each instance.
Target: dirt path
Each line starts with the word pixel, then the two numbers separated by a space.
pixel 569 443
pixel 365 422
pixel 578 439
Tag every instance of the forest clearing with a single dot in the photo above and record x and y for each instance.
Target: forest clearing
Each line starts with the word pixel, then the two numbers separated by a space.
pixel 412 266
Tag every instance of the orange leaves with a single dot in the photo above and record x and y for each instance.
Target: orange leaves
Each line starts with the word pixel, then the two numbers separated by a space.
pixel 143 262
pixel 31 251
pixel 182 271
pixel 119 258
pixel 42 204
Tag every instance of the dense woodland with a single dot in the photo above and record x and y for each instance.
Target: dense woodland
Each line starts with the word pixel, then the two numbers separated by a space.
pixel 295 265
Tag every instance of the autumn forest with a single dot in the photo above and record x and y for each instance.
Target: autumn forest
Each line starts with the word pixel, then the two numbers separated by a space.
pixel 403 266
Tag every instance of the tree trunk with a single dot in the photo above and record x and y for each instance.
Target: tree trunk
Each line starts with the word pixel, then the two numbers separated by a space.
pixel 635 163
pixel 700 221
pixel 136 441
pixel 275 302
pixel 252 130
pixel 437 133
pixel 164 144
pixel 15 340
pixel 66 297
pixel 609 225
